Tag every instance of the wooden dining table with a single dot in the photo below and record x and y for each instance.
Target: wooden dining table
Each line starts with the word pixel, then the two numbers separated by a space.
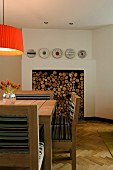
pixel 45 109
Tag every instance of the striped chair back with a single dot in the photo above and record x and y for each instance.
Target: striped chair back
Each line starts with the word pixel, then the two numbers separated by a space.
pixel 19 137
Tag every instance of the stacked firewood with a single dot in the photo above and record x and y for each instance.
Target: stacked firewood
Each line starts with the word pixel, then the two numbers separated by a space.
pixel 62 83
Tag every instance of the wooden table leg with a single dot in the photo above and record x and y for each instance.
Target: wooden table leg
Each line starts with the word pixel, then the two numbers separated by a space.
pixel 74 145
pixel 47 146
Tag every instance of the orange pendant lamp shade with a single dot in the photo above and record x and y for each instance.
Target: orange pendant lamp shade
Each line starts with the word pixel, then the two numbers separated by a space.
pixel 11 41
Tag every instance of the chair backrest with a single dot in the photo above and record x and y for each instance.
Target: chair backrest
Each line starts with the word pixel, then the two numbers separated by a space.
pixel 34 95
pixel 62 124
pixel 76 100
pixel 19 136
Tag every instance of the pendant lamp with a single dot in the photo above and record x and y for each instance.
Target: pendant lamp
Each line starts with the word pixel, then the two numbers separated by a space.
pixel 11 41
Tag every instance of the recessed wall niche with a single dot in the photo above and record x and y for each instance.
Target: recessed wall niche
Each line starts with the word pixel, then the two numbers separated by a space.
pixel 62 83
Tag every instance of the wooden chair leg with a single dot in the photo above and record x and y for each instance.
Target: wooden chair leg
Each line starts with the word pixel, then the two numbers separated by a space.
pixel 71 154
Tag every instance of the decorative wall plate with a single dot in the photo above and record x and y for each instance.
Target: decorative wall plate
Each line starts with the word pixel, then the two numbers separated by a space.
pixel 70 53
pixel 57 53
pixel 44 53
pixel 82 54
pixel 31 53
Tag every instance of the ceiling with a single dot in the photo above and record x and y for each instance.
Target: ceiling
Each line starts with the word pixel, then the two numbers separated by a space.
pixel 84 14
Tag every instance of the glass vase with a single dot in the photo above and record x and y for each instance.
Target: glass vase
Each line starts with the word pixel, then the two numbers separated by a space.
pixel 9 98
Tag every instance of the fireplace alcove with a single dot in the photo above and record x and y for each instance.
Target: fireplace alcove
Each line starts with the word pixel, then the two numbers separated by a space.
pixel 62 83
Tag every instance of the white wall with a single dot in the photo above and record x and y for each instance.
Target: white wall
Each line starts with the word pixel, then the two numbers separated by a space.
pixel 103 53
pixel 10 68
pixel 78 40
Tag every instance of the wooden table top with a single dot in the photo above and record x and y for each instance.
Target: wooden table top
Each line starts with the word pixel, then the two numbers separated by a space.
pixel 44 106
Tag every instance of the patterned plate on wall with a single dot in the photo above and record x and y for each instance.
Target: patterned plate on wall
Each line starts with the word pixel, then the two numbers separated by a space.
pixel 82 54
pixel 44 53
pixel 70 53
pixel 31 53
pixel 57 53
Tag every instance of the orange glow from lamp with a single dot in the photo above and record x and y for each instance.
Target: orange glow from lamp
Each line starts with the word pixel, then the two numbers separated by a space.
pixel 11 41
